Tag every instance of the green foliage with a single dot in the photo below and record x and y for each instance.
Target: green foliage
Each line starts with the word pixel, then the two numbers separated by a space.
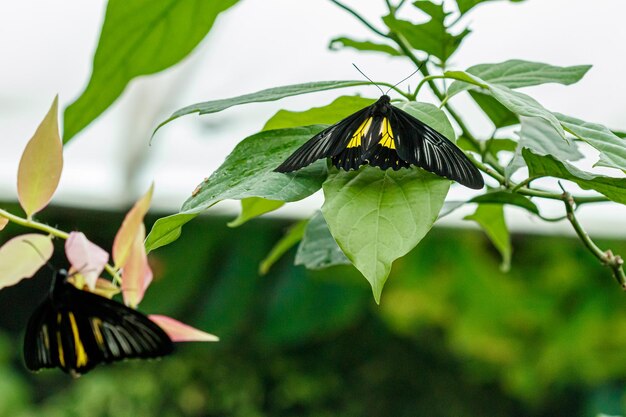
pixel 139 37
pixel 491 218
pixel 318 249
pixel 252 207
pixel 343 42
pixel 466 5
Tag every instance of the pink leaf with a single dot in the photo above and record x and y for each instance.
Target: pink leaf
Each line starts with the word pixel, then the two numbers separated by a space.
pixel 85 257
pixel 136 275
pixel 130 227
pixel 40 168
pixel 3 222
pixel 106 288
pixel 180 332
pixel 22 256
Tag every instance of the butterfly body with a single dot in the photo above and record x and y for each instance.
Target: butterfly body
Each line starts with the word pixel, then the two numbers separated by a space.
pixel 385 136
pixel 75 330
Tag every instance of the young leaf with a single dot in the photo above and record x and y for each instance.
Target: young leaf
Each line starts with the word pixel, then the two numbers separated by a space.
pixel 180 332
pixel 289 240
pixel 343 42
pixel 270 94
pixel 136 273
pixel 517 74
pixel 126 235
pixel 612 148
pixel 139 37
pixel 318 249
pixel 166 230
pixel 3 222
pixel 22 256
pixel 252 207
pixel 491 218
pixel 40 168
pixel 547 166
pixel 378 216
pixel 339 109
pixel 85 257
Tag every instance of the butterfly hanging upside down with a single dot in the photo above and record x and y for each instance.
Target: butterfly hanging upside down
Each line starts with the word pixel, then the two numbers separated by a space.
pixel 75 330
pixel 384 136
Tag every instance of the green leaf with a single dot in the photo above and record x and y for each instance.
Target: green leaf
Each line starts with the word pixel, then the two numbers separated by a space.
pixel 248 172
pixel 547 166
pixel 431 37
pixel 318 249
pixel 139 37
pixel 378 216
pixel 431 115
pixel 491 218
pixel 466 5
pixel 339 109
pixel 270 94
pixel 497 113
pixel 612 148
pixel 517 73
pixel 505 197
pixel 252 207
pixel 343 42
pixel 289 240
pixel 493 146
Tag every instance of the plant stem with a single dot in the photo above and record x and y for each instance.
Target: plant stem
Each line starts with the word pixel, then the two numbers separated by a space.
pixel 359 17
pixel 54 232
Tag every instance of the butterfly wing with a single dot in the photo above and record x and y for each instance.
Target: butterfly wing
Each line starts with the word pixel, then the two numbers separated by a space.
pixel 331 142
pixel 421 145
pixel 86 329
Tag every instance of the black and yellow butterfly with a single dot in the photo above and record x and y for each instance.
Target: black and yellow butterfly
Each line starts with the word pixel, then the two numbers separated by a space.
pixel 385 136
pixel 76 330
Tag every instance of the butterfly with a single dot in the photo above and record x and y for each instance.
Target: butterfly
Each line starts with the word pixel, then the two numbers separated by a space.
pixel 385 136
pixel 76 330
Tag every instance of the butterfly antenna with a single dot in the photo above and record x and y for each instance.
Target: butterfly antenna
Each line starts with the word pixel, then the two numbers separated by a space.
pixel 363 74
pixel 406 78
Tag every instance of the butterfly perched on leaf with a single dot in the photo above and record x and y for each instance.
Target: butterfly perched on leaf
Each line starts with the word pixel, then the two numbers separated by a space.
pixel 76 330
pixel 385 136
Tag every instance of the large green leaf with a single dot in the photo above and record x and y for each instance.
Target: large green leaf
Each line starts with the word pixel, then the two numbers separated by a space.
pixel 497 113
pixel 368 46
pixel 248 172
pixel 547 166
pixel 139 37
pixel 340 108
pixel 517 73
pixel 612 148
pixel 466 5
pixel 491 218
pixel 318 249
pixel 270 94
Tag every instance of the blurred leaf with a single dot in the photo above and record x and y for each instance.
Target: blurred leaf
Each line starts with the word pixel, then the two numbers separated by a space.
pixel 3 222
pixel 252 207
pixel 378 216
pixel 497 113
pixel 505 197
pixel 85 257
pixel 517 74
pixel 612 148
pixel 449 207
pixel 547 166
pixel 491 218
pixel 270 94
pixel 22 256
pixel 41 164
pixel 139 37
pixel 289 240
pixel 318 249
pixel 466 5
pixel 617 133
pixel 130 228
pixel 339 109
pixel 343 42
pixel 180 332
pixel 136 275
pixel 248 172
pixel 106 288
pixel 431 37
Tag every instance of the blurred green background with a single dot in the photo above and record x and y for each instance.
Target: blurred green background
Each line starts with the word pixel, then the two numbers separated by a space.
pixel 453 336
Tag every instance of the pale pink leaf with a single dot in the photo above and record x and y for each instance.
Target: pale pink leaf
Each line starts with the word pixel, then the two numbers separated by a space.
pixel 180 332
pixel 85 257
pixel 130 227
pixel 22 256
pixel 40 168
pixel 136 274
pixel 3 222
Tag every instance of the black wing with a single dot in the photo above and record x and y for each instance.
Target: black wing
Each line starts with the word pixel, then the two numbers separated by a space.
pixel 331 142
pixel 85 329
pixel 421 145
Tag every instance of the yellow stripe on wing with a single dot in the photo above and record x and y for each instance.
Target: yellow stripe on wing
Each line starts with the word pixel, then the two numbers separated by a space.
pixel 81 355
pixel 386 135
pixel 360 133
